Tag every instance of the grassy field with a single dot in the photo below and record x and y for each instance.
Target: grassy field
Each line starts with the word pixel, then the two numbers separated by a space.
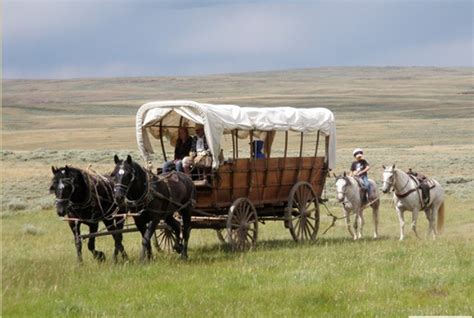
pixel 414 117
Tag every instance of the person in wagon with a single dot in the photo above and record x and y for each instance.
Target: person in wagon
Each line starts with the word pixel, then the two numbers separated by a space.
pixel 359 168
pixel 257 149
pixel 199 153
pixel 181 150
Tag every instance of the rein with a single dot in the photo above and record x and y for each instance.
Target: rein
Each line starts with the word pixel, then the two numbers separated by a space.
pixel 346 198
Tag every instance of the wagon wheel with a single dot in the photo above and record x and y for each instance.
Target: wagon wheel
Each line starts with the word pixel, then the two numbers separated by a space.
pixel 302 213
pixel 242 225
pixel 165 239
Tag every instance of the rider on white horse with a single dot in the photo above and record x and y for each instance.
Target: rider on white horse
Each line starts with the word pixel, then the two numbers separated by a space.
pixel 359 169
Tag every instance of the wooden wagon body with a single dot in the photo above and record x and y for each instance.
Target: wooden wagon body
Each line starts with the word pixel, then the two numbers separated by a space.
pixel 239 192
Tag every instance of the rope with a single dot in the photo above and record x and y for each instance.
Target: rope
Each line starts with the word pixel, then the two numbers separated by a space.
pixel 334 218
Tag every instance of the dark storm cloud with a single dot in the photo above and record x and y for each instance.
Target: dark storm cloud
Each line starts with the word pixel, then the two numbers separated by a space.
pixel 62 39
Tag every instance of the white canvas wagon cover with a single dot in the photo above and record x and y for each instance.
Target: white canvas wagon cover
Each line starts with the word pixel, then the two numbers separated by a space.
pixel 220 119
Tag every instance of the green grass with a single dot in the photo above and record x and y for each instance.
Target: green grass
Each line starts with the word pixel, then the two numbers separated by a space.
pixel 414 117
pixel 332 277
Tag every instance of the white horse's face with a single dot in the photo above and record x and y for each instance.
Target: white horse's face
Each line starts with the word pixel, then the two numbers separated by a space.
pixel 341 185
pixel 387 179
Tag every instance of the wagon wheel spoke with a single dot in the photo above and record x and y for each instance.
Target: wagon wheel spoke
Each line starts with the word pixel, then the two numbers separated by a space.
pixel 302 213
pixel 166 240
pixel 242 226
pixel 311 226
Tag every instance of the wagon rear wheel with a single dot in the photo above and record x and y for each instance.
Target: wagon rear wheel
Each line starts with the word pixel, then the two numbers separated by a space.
pixel 242 225
pixel 302 213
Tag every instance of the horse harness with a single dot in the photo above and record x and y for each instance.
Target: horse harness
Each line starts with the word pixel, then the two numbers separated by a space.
pixel 141 204
pixel 92 184
pixel 423 185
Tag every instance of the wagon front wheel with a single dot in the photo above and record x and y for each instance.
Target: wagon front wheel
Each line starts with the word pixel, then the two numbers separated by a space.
pixel 302 213
pixel 165 239
pixel 242 225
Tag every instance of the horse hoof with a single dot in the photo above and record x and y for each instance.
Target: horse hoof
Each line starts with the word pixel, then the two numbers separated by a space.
pixel 100 256
pixel 178 248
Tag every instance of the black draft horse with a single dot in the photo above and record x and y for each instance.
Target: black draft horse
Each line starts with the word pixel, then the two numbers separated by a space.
pixel 154 198
pixel 89 199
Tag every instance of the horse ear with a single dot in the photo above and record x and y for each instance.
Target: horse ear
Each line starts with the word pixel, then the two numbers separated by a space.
pixel 54 170
pixel 383 166
pixel 67 170
pixel 116 159
pixel 393 167
pixel 344 174
pixel 129 159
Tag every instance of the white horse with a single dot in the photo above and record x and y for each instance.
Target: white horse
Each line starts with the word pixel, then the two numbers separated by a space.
pixel 349 194
pixel 407 197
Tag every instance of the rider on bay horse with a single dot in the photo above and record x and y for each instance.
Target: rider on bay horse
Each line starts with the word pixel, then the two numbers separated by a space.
pixel 359 170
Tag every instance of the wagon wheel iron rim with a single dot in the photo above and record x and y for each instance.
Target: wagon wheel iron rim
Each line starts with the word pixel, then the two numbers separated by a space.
pixel 302 213
pixel 242 225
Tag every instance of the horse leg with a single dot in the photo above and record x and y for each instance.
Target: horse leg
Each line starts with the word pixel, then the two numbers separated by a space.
pixel 413 222
pixel 186 232
pixel 176 227
pixel 348 223
pixel 429 217
pixel 360 219
pixel 375 216
pixel 118 242
pixel 98 255
pixel 146 241
pixel 434 218
pixel 141 226
pixel 401 219
pixel 76 230
pixel 112 226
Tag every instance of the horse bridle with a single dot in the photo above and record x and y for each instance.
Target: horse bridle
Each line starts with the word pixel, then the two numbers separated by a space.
pixel 391 183
pixel 68 181
pixel 123 187
pixel 70 203
pixel 344 189
pixel 126 188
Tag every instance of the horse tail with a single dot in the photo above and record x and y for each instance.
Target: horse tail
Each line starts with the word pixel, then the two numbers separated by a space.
pixel 440 223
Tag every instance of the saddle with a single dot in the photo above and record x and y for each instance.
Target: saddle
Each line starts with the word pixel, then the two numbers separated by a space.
pixel 364 195
pixel 425 184
pixel 171 176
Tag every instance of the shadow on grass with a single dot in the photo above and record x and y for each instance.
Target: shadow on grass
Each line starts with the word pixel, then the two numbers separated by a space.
pixel 213 253
pixel 220 252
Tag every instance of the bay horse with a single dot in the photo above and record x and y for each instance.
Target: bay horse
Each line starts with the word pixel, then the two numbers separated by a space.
pixel 154 198
pixel 349 195
pixel 88 199
pixel 407 197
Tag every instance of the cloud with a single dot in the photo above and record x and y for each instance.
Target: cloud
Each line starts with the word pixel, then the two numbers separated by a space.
pixel 63 38
pixel 238 30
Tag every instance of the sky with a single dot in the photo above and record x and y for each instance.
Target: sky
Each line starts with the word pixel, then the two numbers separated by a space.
pixel 104 38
